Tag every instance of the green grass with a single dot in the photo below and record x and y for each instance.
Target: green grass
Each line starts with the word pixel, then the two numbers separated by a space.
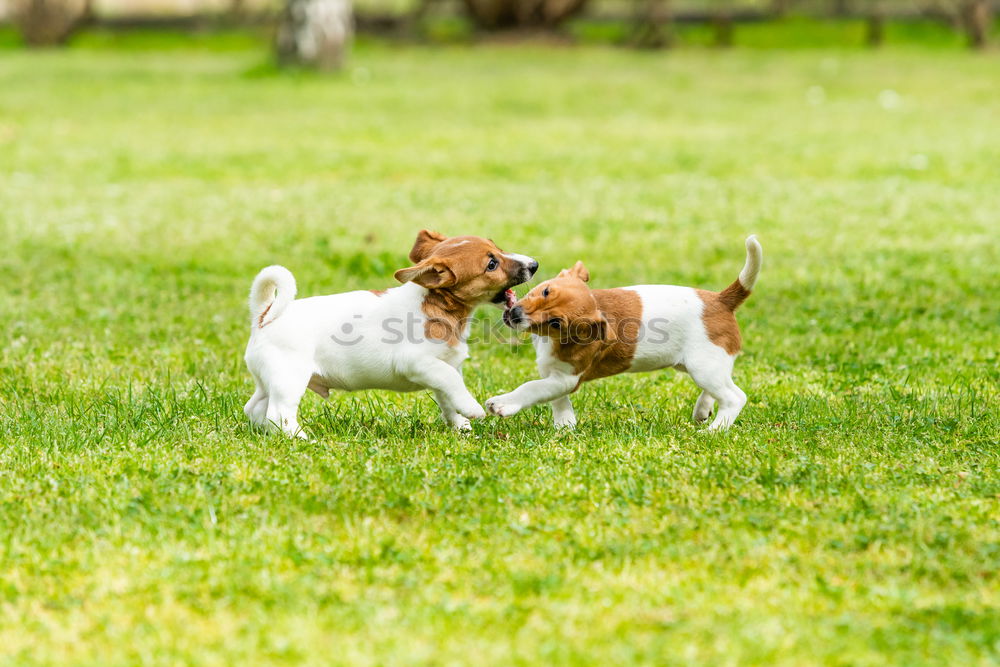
pixel 852 516
pixel 793 32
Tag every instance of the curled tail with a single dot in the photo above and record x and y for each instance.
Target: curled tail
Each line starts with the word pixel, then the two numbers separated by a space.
pixel 272 290
pixel 737 293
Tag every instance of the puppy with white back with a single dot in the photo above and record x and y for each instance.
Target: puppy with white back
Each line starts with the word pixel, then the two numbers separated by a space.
pixel 406 338
pixel 580 334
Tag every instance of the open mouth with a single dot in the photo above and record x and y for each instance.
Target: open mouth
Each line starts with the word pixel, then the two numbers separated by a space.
pixel 505 297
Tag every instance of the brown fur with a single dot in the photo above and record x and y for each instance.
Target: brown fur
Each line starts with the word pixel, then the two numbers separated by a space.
pixel 446 316
pixel 426 240
pixel 598 329
pixel 720 322
pixel 734 295
pixel 377 292
pixel 623 310
pixel 454 272
pixel 260 320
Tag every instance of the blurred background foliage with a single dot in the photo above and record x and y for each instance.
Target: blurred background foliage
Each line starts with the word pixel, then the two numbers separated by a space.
pixel 638 23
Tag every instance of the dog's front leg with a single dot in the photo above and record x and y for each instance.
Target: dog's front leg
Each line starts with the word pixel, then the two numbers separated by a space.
pixel 556 385
pixel 563 415
pixel 446 382
pixel 450 415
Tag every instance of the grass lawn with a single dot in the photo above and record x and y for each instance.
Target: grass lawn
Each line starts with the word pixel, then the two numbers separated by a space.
pixel 852 516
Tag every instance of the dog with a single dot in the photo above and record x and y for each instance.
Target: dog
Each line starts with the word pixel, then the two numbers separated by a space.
pixel 581 334
pixel 406 338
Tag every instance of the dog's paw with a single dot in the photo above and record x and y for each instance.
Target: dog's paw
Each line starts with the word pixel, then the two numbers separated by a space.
pixel 502 406
pixel 472 410
pixel 460 423
pixel 568 423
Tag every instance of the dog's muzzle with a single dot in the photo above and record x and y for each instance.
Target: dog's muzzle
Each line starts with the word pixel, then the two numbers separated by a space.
pixel 529 270
pixel 525 270
pixel 514 317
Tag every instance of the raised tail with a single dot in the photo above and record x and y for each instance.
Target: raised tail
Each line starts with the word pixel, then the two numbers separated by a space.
pixel 272 290
pixel 737 293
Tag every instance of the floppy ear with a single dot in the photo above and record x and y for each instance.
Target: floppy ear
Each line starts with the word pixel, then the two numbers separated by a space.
pixel 426 240
pixel 431 275
pixel 578 271
pixel 605 331
pixel 591 331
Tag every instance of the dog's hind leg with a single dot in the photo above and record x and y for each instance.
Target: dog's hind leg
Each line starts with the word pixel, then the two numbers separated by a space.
pixel 703 407
pixel 256 408
pixel 712 371
pixel 731 402
pixel 284 394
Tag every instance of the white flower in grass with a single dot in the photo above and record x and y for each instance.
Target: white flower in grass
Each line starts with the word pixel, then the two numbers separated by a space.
pixel 890 100
pixel 918 162
pixel 815 96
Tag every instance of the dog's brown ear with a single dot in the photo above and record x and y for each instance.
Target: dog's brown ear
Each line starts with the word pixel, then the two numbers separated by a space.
pixel 587 331
pixel 605 330
pixel 426 240
pixel 578 271
pixel 432 275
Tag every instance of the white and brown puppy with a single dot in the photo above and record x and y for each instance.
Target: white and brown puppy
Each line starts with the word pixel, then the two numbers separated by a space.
pixel 580 334
pixel 406 338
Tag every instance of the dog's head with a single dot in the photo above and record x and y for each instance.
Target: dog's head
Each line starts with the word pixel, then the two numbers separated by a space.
pixel 562 308
pixel 472 269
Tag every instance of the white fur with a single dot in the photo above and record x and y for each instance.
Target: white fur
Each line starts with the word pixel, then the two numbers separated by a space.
pixel 274 286
pixel 520 259
pixel 349 341
pixel 672 335
pixel 755 257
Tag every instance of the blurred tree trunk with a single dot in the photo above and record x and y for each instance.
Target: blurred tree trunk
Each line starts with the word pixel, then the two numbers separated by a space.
pixel 415 19
pixel 653 27
pixel 315 33
pixel 875 33
pixel 49 22
pixel 780 7
pixel 723 23
pixel 237 9
pixel 501 14
pixel 841 7
pixel 976 19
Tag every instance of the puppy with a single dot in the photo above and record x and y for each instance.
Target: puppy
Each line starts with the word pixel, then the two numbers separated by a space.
pixel 406 338
pixel 581 334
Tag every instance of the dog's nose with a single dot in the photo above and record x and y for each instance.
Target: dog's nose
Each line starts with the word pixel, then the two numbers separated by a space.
pixel 513 316
pixel 532 267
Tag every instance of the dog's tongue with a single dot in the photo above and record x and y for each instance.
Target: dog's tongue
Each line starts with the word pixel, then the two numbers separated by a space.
pixel 510 298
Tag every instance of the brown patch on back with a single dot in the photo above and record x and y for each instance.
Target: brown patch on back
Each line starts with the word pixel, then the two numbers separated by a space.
pixel 377 292
pixel 720 323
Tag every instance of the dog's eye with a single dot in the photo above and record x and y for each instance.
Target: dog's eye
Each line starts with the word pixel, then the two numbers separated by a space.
pixel 545 292
pixel 492 266
pixel 555 323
